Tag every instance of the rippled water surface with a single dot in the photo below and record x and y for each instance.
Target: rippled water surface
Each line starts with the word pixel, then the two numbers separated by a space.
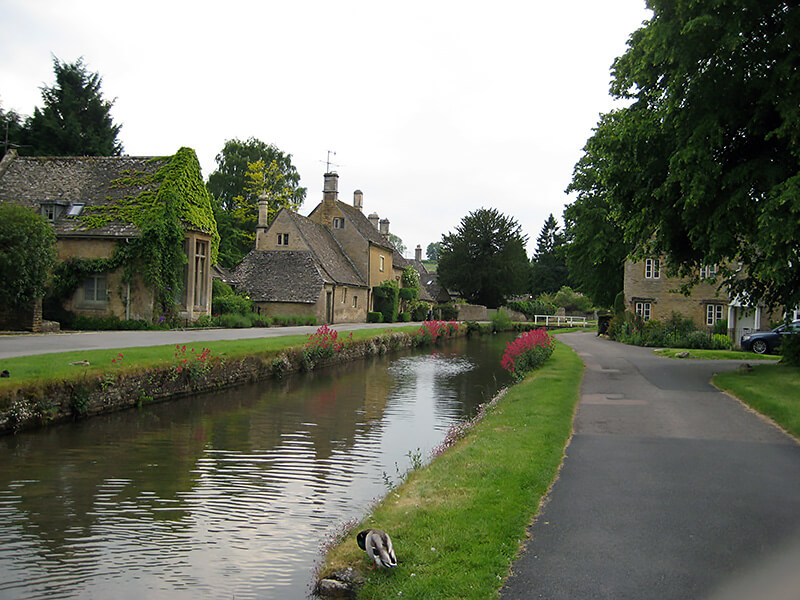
pixel 225 495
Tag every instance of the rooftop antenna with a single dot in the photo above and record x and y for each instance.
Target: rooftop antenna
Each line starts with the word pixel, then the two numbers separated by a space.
pixel 328 163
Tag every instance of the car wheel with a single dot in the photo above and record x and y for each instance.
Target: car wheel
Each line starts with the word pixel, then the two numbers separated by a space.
pixel 760 347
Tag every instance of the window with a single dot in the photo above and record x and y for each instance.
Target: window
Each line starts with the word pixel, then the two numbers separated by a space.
pixel 652 268
pixel 708 271
pixel 200 272
pixel 344 295
pixel 49 211
pixel 713 313
pixel 283 239
pixel 355 301
pixel 94 289
pixel 75 210
pixel 643 310
pixel 383 263
pixel 338 223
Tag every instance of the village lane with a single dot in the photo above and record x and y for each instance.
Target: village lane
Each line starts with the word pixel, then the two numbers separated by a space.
pixel 670 489
pixel 45 343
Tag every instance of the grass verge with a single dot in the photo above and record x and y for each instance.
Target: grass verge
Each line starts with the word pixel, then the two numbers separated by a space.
pixel 45 368
pixel 773 390
pixel 457 523
pixel 714 354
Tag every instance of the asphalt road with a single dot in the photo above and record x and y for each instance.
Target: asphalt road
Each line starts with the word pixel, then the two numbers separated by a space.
pixel 670 489
pixel 44 343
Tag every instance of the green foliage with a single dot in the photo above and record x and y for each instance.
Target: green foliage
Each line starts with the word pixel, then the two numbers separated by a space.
pixel 246 169
pixel 27 255
pixel 434 251
pixel 410 278
pixel 408 294
pixel 448 312
pixel 386 300
pixel 572 301
pixel 397 243
pixel 404 317
pixel 720 327
pixel 12 129
pixel 675 332
pixel 500 321
pixel 75 120
pixel 111 323
pixel 420 311
pixel 233 304
pixel 548 266
pixel 531 308
pixel 702 165
pixel 220 288
pixel 619 303
pixel 790 350
pixel 485 260
pixel 374 317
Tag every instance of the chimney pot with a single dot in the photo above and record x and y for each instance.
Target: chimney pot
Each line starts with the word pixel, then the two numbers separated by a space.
pixel 418 253
pixel 385 226
pixel 358 200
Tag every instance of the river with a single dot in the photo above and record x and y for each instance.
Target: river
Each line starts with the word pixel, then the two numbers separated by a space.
pixel 226 495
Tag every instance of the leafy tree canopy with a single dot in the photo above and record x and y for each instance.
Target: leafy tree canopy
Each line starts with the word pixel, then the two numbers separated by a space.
pixel 397 243
pixel 12 131
pixel 245 171
pixel 27 255
pixel 485 259
pixel 433 250
pixel 703 166
pixel 549 267
pixel 75 119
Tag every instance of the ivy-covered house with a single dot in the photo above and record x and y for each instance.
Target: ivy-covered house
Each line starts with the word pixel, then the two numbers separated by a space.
pixel 136 236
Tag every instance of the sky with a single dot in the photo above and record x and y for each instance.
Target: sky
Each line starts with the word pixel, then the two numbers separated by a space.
pixel 434 109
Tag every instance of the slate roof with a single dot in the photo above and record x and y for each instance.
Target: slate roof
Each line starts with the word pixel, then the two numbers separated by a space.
pixel 279 276
pixel 431 283
pixel 69 180
pixel 363 225
pixel 329 254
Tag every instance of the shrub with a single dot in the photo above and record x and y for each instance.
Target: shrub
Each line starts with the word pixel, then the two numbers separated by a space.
pixel 111 323
pixel 405 317
pixel 374 317
pixel 220 288
pixel 386 300
pixel 721 342
pixel 790 350
pixel 500 321
pixel 720 327
pixel 321 345
pixel 531 308
pixel 232 321
pixel 408 293
pixel 233 304
pixel 420 311
pixel 527 352
pixel 448 312
pixel 431 331
pixel 619 303
pixel 572 301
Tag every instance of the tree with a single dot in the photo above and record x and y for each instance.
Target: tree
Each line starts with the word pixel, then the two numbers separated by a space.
pixel 27 255
pixel 548 266
pixel 485 258
pixel 397 243
pixel 244 171
pixel 434 250
pixel 703 165
pixel 75 120
pixel 12 131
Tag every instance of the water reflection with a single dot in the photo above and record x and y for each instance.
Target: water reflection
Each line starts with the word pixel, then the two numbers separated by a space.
pixel 223 495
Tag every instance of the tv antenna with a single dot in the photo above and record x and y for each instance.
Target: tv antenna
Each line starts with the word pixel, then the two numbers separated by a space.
pixel 328 163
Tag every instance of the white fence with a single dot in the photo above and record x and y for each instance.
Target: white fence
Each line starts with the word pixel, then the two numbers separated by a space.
pixel 559 321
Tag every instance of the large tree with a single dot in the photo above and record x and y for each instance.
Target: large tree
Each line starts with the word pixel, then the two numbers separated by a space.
pixel 75 119
pixel 27 255
pixel 433 250
pixel 485 259
pixel 12 131
pixel 548 266
pixel 703 165
pixel 245 171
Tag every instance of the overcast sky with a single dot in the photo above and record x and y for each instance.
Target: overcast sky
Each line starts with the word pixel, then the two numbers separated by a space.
pixel 434 108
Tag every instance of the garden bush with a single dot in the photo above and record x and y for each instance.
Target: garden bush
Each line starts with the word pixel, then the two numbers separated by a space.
pixel 790 350
pixel 386 300
pixel 232 304
pixel 408 294
pixel 404 317
pixel 531 308
pixel 448 312
pixel 374 317
pixel 420 311
pixel 527 352
pixel 500 321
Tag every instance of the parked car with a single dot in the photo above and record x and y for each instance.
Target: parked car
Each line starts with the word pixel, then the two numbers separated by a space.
pixel 764 342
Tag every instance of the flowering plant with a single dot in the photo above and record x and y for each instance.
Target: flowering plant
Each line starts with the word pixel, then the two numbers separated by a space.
pixel 527 352
pixel 321 345
pixel 431 331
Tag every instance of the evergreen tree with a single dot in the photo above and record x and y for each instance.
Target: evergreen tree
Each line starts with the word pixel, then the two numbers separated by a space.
pixel 12 131
pixel 549 266
pixel 485 258
pixel 75 119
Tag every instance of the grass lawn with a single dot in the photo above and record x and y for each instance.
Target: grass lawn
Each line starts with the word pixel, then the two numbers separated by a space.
pixel 42 368
pixel 457 523
pixel 771 389
pixel 715 354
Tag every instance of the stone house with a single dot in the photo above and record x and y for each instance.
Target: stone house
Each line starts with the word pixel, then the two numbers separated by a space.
pixel 98 206
pixel 652 294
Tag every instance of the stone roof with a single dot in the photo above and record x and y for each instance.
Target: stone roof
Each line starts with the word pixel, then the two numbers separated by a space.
pixel 363 225
pixel 431 283
pixel 69 180
pixel 327 251
pixel 279 276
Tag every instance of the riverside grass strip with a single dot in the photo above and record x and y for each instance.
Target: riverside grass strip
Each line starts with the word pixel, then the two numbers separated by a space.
pixel 458 522
pixel 770 389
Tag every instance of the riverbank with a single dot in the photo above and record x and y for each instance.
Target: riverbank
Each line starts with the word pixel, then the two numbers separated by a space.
pixel 458 522
pixel 53 388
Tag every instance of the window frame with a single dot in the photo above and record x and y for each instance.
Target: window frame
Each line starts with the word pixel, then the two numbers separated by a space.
pixel 714 313
pixel 652 268
pixel 644 310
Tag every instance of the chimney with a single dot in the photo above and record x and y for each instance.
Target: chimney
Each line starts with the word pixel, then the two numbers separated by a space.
pixel 263 216
pixel 330 190
pixel 358 200
pixel 374 218
pixel 418 253
pixel 385 226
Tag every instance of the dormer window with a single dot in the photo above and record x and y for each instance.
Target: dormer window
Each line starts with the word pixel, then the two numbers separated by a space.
pixel 49 211
pixel 75 209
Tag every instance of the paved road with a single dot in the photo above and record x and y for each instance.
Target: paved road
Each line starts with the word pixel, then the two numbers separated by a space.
pixel 670 489
pixel 27 344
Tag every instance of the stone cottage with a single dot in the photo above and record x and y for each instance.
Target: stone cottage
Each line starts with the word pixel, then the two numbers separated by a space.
pixel 103 207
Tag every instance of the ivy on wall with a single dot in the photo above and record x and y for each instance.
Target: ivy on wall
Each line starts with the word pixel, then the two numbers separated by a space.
pixel 162 205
